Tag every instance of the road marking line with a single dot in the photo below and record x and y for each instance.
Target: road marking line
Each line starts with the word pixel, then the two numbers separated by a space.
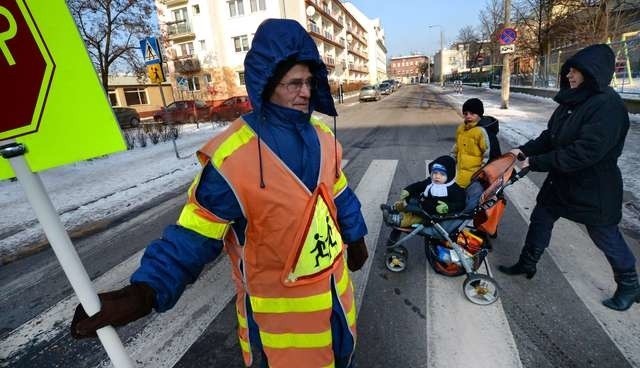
pixel 451 315
pixel 372 190
pixel 587 271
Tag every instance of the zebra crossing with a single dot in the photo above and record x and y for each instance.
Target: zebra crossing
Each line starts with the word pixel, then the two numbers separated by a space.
pixel 166 337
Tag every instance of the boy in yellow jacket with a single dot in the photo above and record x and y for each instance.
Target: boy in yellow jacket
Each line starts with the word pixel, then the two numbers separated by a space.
pixel 472 146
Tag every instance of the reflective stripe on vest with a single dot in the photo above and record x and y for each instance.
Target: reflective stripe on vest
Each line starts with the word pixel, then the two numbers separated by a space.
pixel 199 219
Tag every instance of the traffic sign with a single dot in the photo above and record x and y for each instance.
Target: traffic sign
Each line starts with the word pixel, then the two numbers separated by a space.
pixel 507 36
pixel 25 65
pixel 53 102
pixel 507 49
pixel 154 71
pixel 150 51
pixel 183 83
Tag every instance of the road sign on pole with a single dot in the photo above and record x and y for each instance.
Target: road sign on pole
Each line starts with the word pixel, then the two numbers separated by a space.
pixel 507 49
pixel 154 71
pixel 150 51
pixel 507 36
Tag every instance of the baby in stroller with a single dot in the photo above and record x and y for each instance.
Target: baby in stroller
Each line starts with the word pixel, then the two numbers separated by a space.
pixel 456 241
pixel 437 195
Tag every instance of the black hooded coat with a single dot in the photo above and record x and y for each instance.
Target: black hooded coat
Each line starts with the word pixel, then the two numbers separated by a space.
pixel 582 143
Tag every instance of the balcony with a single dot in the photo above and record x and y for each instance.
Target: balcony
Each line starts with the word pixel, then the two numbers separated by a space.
pixel 179 30
pixel 187 65
pixel 325 36
pixel 329 60
pixel 327 13
pixel 170 3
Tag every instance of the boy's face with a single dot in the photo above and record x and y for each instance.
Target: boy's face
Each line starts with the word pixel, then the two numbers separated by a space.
pixel 438 177
pixel 470 117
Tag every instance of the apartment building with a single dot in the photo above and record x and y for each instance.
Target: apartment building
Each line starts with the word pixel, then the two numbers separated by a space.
pixel 376 44
pixel 205 42
pixel 407 68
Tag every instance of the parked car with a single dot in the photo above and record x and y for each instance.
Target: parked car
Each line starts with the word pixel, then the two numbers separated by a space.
pixel 368 93
pixel 385 88
pixel 185 111
pixel 127 117
pixel 231 108
pixel 392 83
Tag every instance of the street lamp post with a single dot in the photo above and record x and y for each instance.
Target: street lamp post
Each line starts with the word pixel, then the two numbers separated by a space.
pixel 441 52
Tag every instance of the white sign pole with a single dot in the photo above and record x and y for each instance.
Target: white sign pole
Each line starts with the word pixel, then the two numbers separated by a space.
pixel 64 250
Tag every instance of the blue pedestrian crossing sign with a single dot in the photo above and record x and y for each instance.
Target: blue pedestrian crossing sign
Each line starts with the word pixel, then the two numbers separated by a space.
pixel 150 51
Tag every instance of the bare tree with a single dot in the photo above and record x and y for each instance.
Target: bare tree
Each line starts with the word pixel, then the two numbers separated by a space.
pixel 112 30
pixel 468 34
pixel 601 20
pixel 491 18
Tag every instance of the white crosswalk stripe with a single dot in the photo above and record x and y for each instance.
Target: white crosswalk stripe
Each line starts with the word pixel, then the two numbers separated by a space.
pixel 449 310
pixel 587 271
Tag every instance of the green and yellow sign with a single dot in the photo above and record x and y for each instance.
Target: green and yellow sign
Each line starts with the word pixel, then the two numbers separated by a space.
pixel 52 100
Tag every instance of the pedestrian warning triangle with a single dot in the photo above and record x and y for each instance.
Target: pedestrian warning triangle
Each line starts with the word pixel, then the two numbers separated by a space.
pixel 149 52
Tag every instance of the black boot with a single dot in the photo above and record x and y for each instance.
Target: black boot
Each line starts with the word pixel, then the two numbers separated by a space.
pixel 627 292
pixel 526 263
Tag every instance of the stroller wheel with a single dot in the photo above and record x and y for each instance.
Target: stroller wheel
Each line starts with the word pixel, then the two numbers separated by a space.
pixel 396 259
pixel 480 289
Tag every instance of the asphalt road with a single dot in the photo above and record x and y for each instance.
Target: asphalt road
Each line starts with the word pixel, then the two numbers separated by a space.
pixel 411 319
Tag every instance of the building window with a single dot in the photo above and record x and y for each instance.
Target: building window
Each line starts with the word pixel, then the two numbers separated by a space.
pixel 241 43
pixel 196 9
pixel 241 78
pixel 207 78
pixel 194 83
pixel 135 96
pixel 236 8
pixel 113 97
pixel 186 49
pixel 203 45
pixel 257 5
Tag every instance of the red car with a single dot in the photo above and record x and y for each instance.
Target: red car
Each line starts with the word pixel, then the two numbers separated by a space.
pixel 231 108
pixel 187 111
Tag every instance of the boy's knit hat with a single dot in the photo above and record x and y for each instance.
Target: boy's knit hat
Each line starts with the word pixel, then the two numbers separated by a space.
pixel 473 105
pixel 439 168
pixel 444 164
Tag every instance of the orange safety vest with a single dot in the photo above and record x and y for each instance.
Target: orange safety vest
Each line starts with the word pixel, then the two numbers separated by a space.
pixel 293 253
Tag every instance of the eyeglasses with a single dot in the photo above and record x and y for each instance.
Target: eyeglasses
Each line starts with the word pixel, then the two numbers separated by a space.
pixel 295 85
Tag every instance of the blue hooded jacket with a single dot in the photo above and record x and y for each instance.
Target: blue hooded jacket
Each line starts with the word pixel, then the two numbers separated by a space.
pixel 176 260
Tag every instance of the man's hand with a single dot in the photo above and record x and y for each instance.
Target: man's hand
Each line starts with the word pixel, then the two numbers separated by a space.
pixel 119 307
pixel 357 254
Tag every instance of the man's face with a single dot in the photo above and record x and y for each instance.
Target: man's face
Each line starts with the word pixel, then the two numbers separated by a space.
pixel 438 177
pixel 470 117
pixel 575 78
pixel 294 90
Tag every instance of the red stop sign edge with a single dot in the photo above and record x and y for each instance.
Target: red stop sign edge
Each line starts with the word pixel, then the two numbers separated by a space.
pixel 49 61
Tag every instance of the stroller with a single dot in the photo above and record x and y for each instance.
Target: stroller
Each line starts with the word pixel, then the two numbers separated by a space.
pixel 463 249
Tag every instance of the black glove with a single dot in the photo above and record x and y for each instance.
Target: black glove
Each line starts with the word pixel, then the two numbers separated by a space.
pixel 119 307
pixel 356 254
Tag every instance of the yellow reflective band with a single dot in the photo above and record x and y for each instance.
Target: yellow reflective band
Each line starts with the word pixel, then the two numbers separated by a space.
pixel 312 303
pixel 244 345
pixel 190 219
pixel 340 184
pixel 242 322
pixel 296 340
pixel 351 316
pixel 320 124
pixel 332 365
pixel 341 286
pixel 231 144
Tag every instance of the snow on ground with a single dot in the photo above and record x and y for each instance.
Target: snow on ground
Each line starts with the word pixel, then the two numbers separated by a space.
pixel 101 189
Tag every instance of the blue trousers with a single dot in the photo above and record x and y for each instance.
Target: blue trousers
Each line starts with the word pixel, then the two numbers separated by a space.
pixel 606 237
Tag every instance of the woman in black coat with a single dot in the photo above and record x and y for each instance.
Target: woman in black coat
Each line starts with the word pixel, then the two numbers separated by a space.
pixel 580 150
